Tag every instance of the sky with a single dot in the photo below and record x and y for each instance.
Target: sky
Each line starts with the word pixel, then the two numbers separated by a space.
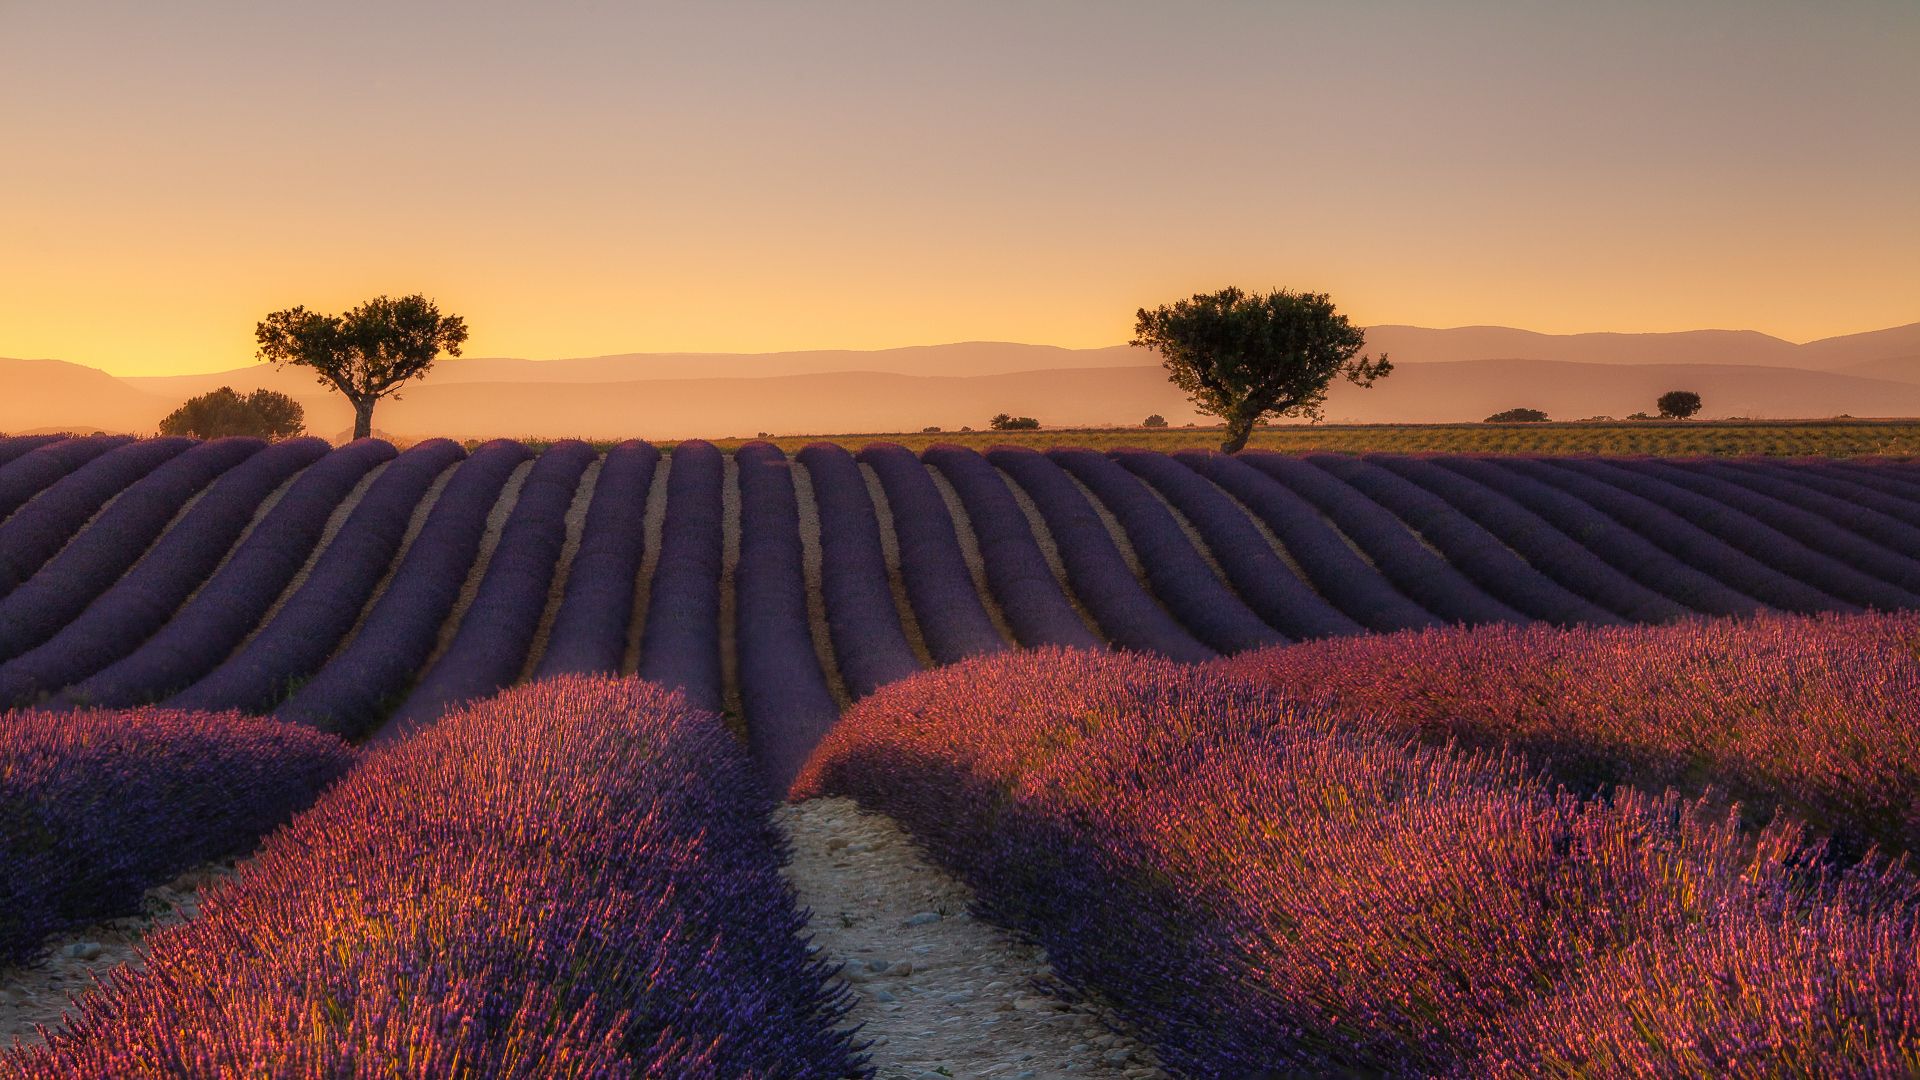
pixel 581 179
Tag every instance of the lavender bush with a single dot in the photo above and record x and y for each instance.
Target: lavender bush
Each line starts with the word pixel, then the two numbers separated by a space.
pixel 590 631
pixel 868 641
pixel 941 589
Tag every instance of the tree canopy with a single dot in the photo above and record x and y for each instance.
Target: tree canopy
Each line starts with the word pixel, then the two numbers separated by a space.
pixel 1678 404
pixel 1518 416
pixel 1243 357
pixel 263 414
pixel 1004 422
pixel 366 353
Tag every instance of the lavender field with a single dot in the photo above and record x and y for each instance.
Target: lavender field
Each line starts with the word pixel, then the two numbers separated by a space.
pixel 1290 765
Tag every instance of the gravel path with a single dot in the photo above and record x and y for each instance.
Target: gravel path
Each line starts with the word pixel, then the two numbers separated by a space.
pixel 941 995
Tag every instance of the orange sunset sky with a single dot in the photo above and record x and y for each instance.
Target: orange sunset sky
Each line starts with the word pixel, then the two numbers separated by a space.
pixel 580 178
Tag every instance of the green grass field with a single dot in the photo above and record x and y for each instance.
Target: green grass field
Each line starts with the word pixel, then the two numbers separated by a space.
pixel 1726 438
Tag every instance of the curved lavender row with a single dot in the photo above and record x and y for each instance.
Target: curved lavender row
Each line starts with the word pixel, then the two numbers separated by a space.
pixel 1477 553
pixel 1616 545
pixel 38 530
pixel 868 641
pixel 1264 891
pixel 133 607
pixel 589 632
pixel 1417 572
pixel 13 446
pixel 783 692
pixel 31 473
pixel 1546 549
pixel 1749 534
pixel 1858 536
pixel 489 650
pixel 952 619
pixel 578 878
pixel 1264 582
pixel 311 623
pixel 113 541
pixel 1349 582
pixel 1884 477
pixel 1681 538
pixel 193 638
pixel 1101 579
pixel 1183 581
pixel 680 645
pixel 1035 606
pixel 351 693
pixel 1844 487
pixel 96 807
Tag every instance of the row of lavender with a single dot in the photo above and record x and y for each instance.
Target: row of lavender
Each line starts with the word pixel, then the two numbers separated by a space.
pixel 1271 888
pixel 577 878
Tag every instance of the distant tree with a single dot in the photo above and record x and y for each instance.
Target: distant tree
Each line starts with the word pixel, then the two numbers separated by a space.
pixel 964 427
pixel 1154 421
pixel 1678 404
pixel 929 430
pixel 367 353
pixel 1003 422
pixel 1641 416
pixel 1241 357
pixel 263 414
pixel 1518 416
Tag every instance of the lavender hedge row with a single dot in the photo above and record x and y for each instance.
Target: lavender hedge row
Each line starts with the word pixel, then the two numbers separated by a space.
pixel 1030 597
pixel 13 446
pixel 1598 534
pixel 1180 577
pixel 589 633
pixel 1681 538
pixel 489 650
pixel 680 645
pixel 351 694
pixel 578 878
pixel 131 608
pixel 1349 582
pixel 1841 486
pixel 114 540
pixel 97 806
pixel 1101 579
pixel 783 691
pixel 862 621
pixel 1415 570
pixel 171 644
pixel 1546 548
pixel 1860 537
pixel 1263 891
pixel 1264 582
pixel 311 622
pixel 31 473
pixel 1479 555
pixel 1748 534
pixel 1885 477
pixel 37 531
pixel 939 585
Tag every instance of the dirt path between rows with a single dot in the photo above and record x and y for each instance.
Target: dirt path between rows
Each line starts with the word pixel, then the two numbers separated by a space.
pixel 941 995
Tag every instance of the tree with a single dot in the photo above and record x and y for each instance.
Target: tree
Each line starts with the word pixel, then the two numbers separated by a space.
pixel 1003 422
pixel 1518 416
pixel 1154 421
pixel 1242 357
pixel 263 414
pixel 1678 404
pixel 367 353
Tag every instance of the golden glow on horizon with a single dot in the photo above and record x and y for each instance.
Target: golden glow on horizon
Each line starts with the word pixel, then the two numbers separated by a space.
pixel 738 178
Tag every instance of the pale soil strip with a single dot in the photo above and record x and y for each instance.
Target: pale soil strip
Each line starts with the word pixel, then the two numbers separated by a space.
pixel 503 505
pixel 576 525
pixel 890 549
pixel 1037 525
pixel 39 993
pixel 334 521
pixel 970 551
pixel 1193 534
pixel 729 562
pixel 810 560
pixel 939 993
pixel 655 525
pixel 1116 530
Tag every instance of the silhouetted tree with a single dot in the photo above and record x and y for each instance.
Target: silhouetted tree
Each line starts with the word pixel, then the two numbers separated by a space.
pixel 1155 420
pixel 1003 422
pixel 929 429
pixel 1678 404
pixel 1518 416
pixel 1242 357
pixel 367 353
pixel 263 414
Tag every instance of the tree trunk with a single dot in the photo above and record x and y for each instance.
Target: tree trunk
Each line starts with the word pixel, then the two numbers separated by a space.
pixel 1239 430
pixel 363 417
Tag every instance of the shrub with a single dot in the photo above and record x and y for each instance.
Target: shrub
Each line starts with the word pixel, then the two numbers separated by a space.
pixel 1003 422
pixel 263 414
pixel 1154 420
pixel 1518 416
